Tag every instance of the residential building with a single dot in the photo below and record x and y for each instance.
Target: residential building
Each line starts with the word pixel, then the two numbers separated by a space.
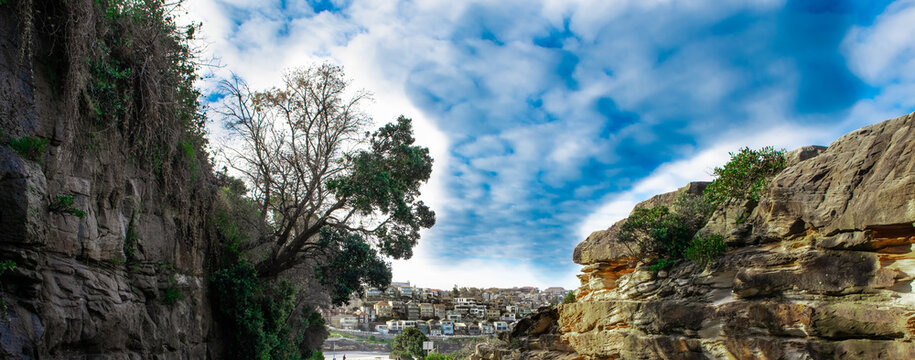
pixel 423 327
pixel 383 309
pixel 500 326
pixel 426 310
pixel 508 317
pixel 460 328
pixel 413 312
pixel 399 309
pixel 381 329
pixel 464 301
pixel 440 311
pixel 373 294
pixel 405 291
pixel 493 314
pixel 486 328
pixel 454 316
pixel 447 327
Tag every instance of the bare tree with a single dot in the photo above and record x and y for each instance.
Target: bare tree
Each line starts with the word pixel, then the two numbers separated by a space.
pixel 311 165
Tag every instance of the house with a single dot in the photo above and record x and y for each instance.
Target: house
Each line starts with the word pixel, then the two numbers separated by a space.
pixel 447 327
pixel 492 314
pixel 500 326
pixel 478 311
pixel 405 291
pixel 423 327
pixel 486 328
pixel 454 316
pixel 399 309
pixel 383 309
pixel 440 311
pixel 460 328
pixel 426 311
pixel 473 329
pixel 345 321
pixel 464 301
pixel 507 317
pixel 413 312
pixel 381 329
pixel 373 294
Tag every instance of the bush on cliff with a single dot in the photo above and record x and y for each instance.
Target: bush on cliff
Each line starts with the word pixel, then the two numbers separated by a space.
pixel 657 231
pixel 745 176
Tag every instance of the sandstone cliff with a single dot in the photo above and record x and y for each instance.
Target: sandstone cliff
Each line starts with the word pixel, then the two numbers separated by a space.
pixel 821 268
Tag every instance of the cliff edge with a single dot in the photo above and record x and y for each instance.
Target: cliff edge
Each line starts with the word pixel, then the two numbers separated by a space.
pixel 821 267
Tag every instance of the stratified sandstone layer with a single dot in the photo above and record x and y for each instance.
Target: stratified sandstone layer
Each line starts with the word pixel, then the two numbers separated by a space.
pixel 821 269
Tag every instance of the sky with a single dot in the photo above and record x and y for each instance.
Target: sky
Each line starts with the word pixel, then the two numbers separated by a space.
pixel 550 119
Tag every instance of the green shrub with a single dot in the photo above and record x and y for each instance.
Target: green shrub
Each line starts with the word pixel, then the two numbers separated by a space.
pixel 409 344
pixel 64 204
pixel 436 356
pixel 657 231
pixel 29 147
pixel 4 266
pixel 706 249
pixel 746 175
pixel 662 264
pixel 257 313
pixel 570 298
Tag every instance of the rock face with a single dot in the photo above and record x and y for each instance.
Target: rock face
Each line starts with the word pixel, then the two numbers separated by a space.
pixel 535 336
pixel 821 268
pixel 123 281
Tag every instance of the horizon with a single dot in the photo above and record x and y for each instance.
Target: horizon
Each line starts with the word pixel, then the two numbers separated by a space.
pixel 550 120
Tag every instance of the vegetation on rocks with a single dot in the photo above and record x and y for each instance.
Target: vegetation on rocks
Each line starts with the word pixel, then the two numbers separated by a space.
pixel 670 234
pixel 29 147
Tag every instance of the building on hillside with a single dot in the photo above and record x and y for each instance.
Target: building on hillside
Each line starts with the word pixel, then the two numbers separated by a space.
pixel 413 312
pixel 500 326
pixel 492 314
pixel 405 292
pixel 478 311
pixel 383 309
pixel 454 316
pixel 464 301
pixel 381 329
pixel 507 317
pixel 399 309
pixel 440 311
pixel 447 327
pixel 373 294
pixel 344 321
pixel 435 328
pixel 460 328
pixel 426 311
pixel 423 327
pixel 486 328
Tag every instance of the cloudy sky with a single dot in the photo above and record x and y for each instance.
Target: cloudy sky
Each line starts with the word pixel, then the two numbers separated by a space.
pixel 549 119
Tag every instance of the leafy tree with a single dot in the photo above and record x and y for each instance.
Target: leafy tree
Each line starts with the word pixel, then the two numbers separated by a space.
pixel 311 165
pixel 746 175
pixel 355 262
pixel 437 356
pixel 409 344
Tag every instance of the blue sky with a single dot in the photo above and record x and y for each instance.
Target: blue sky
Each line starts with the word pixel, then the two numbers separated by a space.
pixel 550 119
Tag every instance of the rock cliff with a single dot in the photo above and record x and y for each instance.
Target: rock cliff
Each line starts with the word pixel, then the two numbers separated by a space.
pixel 820 268
pixel 109 249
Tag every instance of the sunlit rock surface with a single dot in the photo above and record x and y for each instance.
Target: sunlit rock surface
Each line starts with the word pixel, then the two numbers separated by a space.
pixel 821 268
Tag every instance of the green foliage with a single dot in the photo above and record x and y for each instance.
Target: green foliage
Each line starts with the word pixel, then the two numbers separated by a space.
pixel 746 176
pixel 570 298
pixel 64 204
pixel 315 355
pixel 29 147
pixel 257 313
pixel 662 264
pixel 409 344
pixel 387 179
pixel 705 249
pixel 171 294
pixel 437 356
pixel 355 263
pixel 4 267
pixel 658 232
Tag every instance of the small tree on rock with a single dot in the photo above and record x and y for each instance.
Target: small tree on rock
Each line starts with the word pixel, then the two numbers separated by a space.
pixel 409 344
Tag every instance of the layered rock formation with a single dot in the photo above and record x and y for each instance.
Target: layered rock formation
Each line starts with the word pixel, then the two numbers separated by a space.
pixel 821 268
pixel 117 274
